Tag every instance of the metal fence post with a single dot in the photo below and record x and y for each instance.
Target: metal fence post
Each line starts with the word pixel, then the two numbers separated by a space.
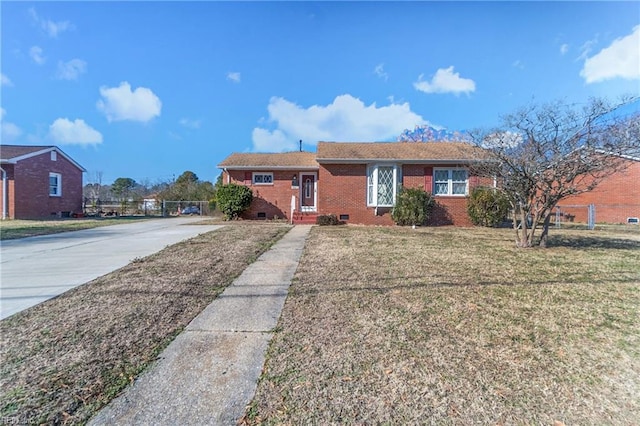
pixel 592 216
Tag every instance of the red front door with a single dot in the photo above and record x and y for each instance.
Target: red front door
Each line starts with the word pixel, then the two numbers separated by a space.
pixel 308 188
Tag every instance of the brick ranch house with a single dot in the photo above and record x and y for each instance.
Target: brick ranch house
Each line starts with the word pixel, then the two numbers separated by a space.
pixel 616 199
pixel 39 182
pixel 358 182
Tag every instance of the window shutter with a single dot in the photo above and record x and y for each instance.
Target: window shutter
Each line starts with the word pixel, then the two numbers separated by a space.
pixel 428 179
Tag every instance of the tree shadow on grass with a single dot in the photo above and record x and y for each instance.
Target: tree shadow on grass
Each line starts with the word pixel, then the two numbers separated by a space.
pixel 590 242
pixel 396 283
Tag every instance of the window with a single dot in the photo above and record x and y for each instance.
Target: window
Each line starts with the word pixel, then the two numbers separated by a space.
pixel 382 181
pixel 450 182
pixel 55 184
pixel 263 178
pixel 54 156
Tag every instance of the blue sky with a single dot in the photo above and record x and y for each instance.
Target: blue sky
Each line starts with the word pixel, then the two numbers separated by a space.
pixel 148 90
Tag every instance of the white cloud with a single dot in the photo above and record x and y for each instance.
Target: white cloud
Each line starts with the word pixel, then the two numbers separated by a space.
pixel 518 64
pixel 191 124
pixel 9 131
pixel 5 81
pixel 380 72
pixel 233 76
pixel 587 47
pixel 71 70
pixel 621 59
pixel 51 28
pixel 120 103
pixel 77 132
pixel 345 119
pixel 564 49
pixel 36 54
pixel 446 81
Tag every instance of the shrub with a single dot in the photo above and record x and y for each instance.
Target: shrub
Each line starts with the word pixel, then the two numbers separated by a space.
pixel 487 206
pixel 233 199
pixel 327 219
pixel 413 207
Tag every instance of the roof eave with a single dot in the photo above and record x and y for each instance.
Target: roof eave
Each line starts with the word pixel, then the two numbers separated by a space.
pixel 394 160
pixel 15 160
pixel 231 167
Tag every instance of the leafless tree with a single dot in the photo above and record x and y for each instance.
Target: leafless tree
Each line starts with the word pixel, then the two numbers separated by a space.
pixel 543 153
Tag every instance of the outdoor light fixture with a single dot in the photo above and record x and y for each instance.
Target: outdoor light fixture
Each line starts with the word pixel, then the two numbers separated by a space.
pixel 294 181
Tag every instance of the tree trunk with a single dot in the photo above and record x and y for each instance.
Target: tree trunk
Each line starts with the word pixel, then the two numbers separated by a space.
pixel 545 230
pixel 523 237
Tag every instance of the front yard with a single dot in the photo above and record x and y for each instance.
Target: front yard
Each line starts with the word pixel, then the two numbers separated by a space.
pixel 383 325
pixel 455 326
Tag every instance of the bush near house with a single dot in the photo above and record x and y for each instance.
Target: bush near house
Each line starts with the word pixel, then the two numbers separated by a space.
pixel 328 220
pixel 233 199
pixel 413 207
pixel 487 206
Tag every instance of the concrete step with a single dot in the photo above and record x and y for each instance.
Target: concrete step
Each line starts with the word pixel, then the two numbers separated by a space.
pixel 305 218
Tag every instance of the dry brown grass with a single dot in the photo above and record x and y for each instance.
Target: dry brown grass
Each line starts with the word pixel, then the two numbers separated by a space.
pixel 455 326
pixel 64 359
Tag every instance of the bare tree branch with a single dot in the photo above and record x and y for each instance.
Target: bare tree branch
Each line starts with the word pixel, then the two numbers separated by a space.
pixel 546 152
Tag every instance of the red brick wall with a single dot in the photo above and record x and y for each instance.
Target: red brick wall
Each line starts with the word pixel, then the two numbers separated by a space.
pixel 616 198
pixel 31 187
pixel 273 200
pixel 343 190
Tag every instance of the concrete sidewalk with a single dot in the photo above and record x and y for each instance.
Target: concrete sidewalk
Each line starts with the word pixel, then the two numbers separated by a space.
pixel 209 373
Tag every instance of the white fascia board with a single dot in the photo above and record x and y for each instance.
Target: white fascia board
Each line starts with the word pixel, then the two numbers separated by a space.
pixel 14 160
pixel 267 168
pixel 391 160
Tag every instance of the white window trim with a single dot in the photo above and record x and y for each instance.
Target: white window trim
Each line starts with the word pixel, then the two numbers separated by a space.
pixel 54 156
pixel 58 176
pixel 396 178
pixel 450 171
pixel 254 174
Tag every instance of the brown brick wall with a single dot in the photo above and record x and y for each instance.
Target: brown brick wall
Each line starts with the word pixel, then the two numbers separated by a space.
pixel 616 199
pixel 343 190
pixel 273 200
pixel 31 198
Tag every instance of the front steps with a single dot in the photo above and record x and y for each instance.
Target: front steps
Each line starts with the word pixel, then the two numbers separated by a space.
pixel 304 218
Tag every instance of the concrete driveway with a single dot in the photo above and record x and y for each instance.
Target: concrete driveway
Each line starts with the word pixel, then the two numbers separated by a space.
pixel 38 268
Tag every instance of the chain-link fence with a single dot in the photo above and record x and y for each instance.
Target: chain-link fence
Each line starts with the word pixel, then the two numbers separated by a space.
pixel 145 207
pixel 591 214
pixel 179 208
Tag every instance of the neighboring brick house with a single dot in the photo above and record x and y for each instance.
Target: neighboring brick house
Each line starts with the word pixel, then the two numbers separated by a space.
pixel 39 182
pixel 358 182
pixel 616 199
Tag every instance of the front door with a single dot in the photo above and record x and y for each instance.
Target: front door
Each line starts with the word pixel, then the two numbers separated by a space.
pixel 308 195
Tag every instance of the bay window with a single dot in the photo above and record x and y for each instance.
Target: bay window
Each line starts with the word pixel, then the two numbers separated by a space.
pixel 382 184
